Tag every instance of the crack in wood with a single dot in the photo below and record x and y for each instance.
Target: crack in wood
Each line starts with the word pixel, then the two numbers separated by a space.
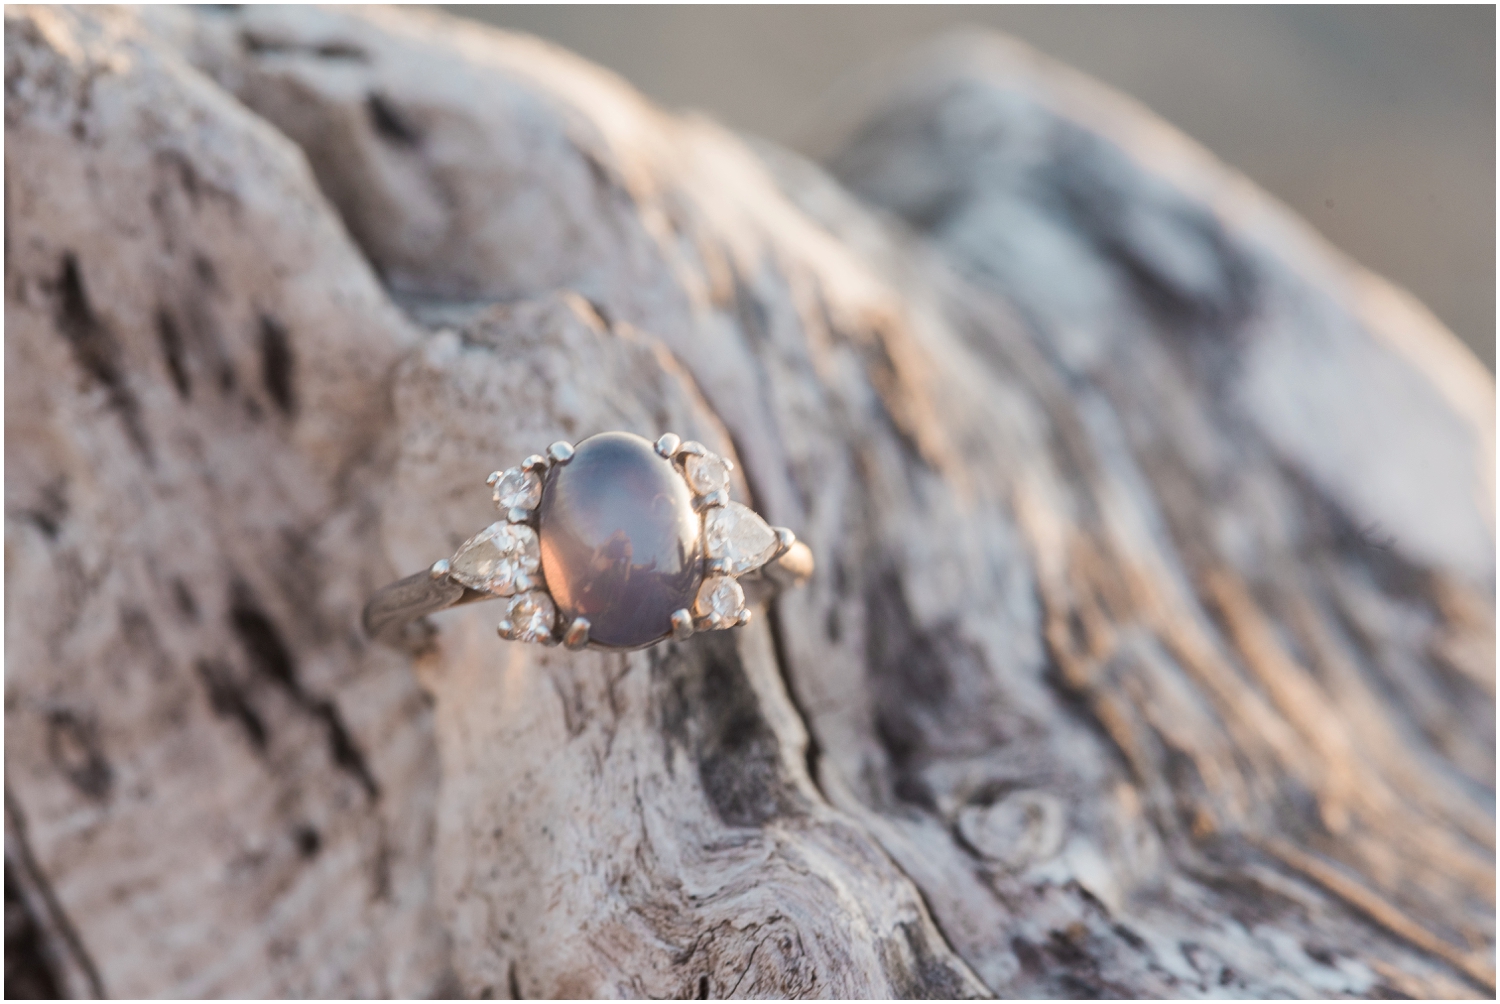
pixel 65 961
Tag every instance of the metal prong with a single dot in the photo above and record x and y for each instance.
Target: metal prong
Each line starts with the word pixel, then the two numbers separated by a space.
pixel 744 618
pixel 439 569
pixel 712 500
pixel 535 462
pixel 517 515
pixel 505 629
pixel 692 448
pixel 560 452
pixel 716 566
pixel 495 476
pixel 550 640
pixel 784 541
pixel 682 625
pixel 578 633
pixel 667 444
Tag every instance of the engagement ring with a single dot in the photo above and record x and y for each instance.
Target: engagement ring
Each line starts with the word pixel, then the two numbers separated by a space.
pixel 613 544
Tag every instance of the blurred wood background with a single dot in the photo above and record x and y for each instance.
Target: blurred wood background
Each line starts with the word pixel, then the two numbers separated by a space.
pixel 1374 124
pixel 1151 651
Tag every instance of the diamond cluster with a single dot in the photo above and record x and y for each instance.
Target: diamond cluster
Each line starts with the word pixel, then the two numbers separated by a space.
pixel 505 558
pixel 736 541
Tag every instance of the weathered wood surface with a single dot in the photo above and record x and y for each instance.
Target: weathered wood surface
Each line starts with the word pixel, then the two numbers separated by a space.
pixel 1151 650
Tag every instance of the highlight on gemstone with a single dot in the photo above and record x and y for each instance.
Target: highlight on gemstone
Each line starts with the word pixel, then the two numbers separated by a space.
pixel 502 559
pixel 706 473
pixel 621 543
pixel 530 617
pixel 735 534
pixel 518 488
pixel 720 601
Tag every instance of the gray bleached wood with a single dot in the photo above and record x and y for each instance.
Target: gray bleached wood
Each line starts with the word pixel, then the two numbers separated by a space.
pixel 1132 666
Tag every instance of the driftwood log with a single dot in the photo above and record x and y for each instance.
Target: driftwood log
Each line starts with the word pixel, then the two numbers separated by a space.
pixel 1151 650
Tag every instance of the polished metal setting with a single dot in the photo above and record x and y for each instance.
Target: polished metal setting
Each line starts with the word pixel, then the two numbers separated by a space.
pixel 711 500
pixel 785 539
pixel 501 563
pixel 667 445
pixel 577 635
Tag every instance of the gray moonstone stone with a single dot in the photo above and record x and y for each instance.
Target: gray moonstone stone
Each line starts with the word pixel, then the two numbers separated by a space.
pixel 620 540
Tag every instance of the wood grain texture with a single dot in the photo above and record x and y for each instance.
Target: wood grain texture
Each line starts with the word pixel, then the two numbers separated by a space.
pixel 1151 646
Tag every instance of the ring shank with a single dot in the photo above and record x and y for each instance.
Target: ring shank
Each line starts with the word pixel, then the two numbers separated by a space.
pixel 401 602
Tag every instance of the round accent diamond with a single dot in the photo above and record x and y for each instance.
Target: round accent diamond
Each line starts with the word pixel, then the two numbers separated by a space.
pixel 706 473
pixel 720 600
pixel 531 617
pixel 518 488
pixel 502 559
pixel 734 533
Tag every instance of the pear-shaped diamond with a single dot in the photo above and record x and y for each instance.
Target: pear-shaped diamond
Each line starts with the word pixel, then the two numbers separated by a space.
pixel 501 559
pixel 736 534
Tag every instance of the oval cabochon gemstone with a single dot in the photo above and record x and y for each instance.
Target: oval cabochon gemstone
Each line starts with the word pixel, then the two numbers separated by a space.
pixel 620 540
